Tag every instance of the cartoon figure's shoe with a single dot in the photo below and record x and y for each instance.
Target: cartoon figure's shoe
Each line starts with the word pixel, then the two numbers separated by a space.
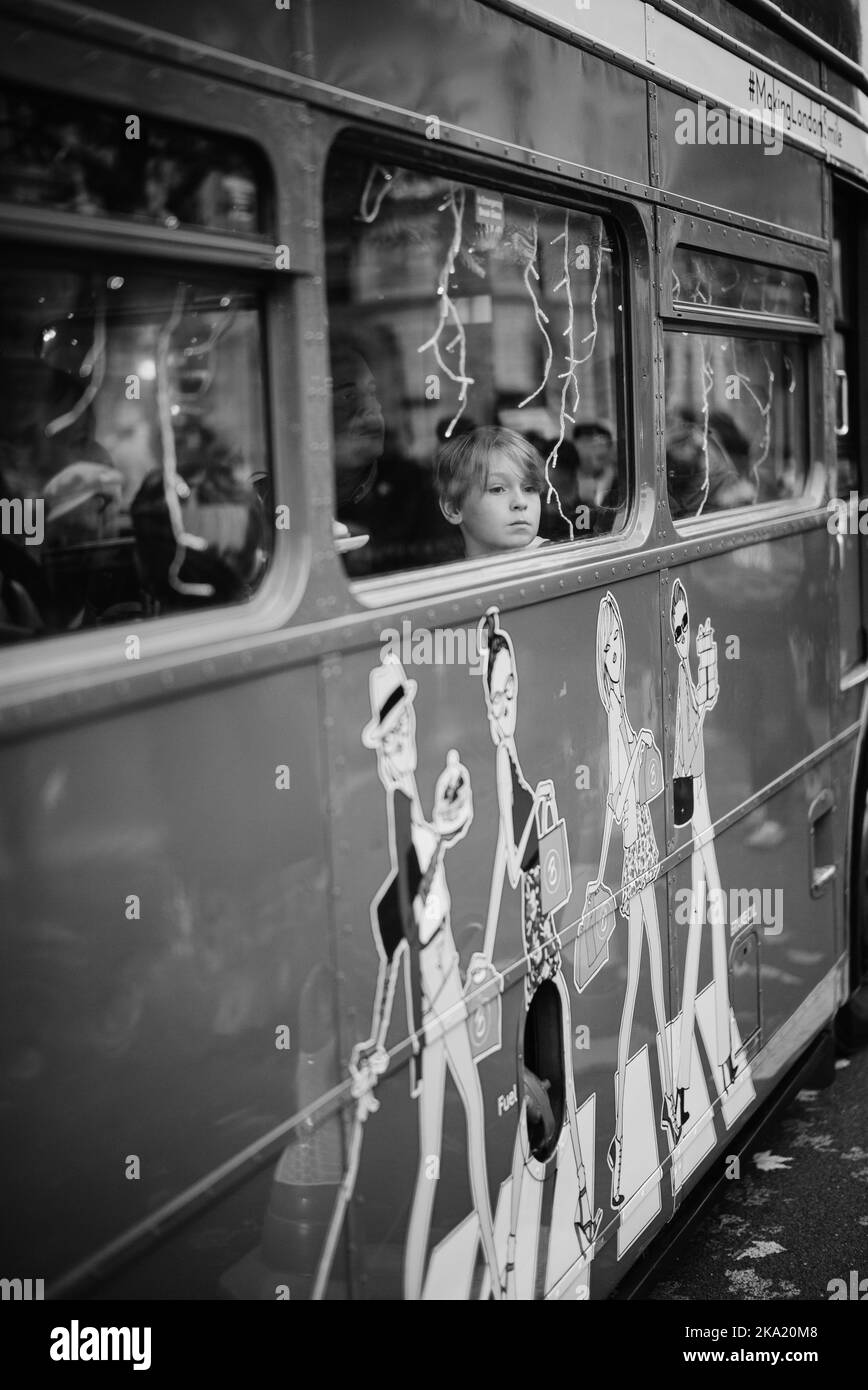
pixel 669 1119
pixel 586 1225
pixel 613 1158
pixel 681 1115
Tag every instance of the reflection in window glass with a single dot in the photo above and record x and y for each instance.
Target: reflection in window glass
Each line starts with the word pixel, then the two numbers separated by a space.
pixel 455 309
pixel 76 156
pixel 736 421
pixel 703 279
pixel 132 448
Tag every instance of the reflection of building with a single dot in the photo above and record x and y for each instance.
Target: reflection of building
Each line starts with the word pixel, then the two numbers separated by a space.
pixel 383 279
pixel 753 393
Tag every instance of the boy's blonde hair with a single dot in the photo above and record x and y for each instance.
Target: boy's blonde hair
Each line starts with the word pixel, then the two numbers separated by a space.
pixel 463 463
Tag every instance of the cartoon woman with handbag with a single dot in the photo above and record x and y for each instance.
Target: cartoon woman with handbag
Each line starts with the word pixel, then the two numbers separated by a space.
pixel 691 808
pixel 630 787
pixel 522 813
pixel 411 920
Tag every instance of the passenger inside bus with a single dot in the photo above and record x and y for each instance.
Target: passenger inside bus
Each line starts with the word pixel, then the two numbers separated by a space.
pixel 221 512
pixel 489 483
pixel 598 482
pixel 94 369
pixel 469 308
pixel 385 501
pixel 82 521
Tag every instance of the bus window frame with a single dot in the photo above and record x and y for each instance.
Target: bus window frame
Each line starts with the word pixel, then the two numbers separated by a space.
pixel 631 224
pixel 681 229
pixel 279 129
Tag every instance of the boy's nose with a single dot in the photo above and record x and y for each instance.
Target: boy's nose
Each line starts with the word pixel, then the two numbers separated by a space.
pixel 519 501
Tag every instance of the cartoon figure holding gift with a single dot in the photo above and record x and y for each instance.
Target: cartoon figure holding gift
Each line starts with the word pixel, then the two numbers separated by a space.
pixel 532 853
pixel 411 922
pixel 635 778
pixel 691 808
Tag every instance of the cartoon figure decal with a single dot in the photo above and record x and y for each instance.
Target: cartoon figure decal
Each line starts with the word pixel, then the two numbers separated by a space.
pixel 410 917
pixel 691 808
pixel 635 777
pixel 531 852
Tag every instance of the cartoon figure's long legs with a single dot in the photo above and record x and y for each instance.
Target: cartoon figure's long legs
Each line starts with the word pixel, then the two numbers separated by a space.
pixel 515 1198
pixel 720 964
pixel 706 891
pixel 466 1077
pixel 691 970
pixel 587 1223
pixel 430 1104
pixel 652 931
pixel 643 914
pixel 453 1050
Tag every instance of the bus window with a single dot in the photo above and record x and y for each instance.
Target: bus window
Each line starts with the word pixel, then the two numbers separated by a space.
pixel 736 400
pixel 132 446
pixel 736 421
pixel 473 334
pixel 77 156
pixel 704 279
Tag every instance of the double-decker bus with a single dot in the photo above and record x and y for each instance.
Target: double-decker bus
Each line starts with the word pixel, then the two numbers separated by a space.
pixel 433 602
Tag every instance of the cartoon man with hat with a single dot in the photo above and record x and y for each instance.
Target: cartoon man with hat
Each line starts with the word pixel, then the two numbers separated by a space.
pixel 410 917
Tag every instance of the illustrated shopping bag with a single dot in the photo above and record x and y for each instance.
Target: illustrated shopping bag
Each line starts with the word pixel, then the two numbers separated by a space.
pixel 592 942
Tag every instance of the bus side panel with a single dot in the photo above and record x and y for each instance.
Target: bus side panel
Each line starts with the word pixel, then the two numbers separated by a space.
pixel 168 971
pixel 772 712
pixel 420 1149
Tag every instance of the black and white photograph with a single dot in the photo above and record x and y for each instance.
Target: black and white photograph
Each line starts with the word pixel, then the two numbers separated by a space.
pixel 433 672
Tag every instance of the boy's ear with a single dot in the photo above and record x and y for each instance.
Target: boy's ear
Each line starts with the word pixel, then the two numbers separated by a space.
pixel 451 513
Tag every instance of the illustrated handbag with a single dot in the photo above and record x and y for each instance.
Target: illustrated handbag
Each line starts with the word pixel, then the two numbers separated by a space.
pixel 592 942
pixel 649 780
pixel 555 878
pixel 682 791
pixel 482 991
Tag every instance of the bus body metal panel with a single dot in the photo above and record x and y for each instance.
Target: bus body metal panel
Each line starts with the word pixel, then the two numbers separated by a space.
pixel 783 188
pixel 289 36
pixel 164 908
pixel 484 71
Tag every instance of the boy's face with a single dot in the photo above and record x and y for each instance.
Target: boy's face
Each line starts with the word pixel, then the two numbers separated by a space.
pixel 502 516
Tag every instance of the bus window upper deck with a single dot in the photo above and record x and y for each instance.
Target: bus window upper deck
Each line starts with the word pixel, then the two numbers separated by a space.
pixel 736 397
pixel 456 311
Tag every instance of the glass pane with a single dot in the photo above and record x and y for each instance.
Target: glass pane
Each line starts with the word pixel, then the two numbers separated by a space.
pixel 457 311
pixel 132 448
pixel 736 421
pixel 76 156
pixel 702 279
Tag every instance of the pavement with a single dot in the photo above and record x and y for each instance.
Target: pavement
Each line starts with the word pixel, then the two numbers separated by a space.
pixel 796 1219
